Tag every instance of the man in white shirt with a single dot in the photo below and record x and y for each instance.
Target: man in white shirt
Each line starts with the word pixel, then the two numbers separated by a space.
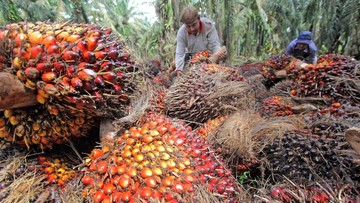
pixel 196 35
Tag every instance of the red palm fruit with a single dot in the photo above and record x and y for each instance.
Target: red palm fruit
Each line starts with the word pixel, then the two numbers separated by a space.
pixel 43 67
pixel 3 34
pixel 105 66
pixel 2 59
pixel 86 74
pixel 36 51
pixel 89 56
pixel 20 38
pixel 71 71
pixel 70 55
pixel 83 65
pixel 21 75
pixel 17 63
pixel 63 45
pixel 100 55
pixel 108 31
pixel 35 38
pixel 73 38
pixel 113 54
pixel 59 66
pixel 73 100
pixel 76 83
pixel 98 96
pixel 53 49
pixel 49 41
pixel 120 75
pixel 24 55
pixel 42 93
pixel 117 88
pixel 49 76
pixel 62 35
pixel 91 43
pixel 82 46
pixel 32 73
pixel 16 51
pixel 40 99
pixel 29 83
pixel 99 81
pixel 88 85
pixel 50 89
pixel 110 77
pixel 95 33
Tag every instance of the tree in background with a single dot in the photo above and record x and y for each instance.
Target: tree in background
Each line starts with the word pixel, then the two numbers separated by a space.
pixel 249 29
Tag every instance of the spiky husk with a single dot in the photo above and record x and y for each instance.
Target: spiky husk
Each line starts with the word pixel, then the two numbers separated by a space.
pixel 206 91
pixel 306 158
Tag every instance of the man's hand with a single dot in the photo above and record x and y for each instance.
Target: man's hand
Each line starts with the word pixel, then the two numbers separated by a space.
pixel 218 55
pixel 175 73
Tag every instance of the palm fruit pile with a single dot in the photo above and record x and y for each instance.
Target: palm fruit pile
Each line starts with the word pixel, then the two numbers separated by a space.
pixel 305 157
pixel 275 63
pixel 57 171
pixel 287 193
pixel 275 106
pixel 334 76
pixel 34 177
pixel 160 161
pixel 78 71
pixel 203 91
pixel 43 126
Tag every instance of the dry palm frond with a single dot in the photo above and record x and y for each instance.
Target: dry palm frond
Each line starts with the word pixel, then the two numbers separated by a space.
pixel 22 187
pixel 246 133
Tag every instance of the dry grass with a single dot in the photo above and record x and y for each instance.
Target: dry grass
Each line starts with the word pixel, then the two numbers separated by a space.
pixel 246 133
pixel 22 187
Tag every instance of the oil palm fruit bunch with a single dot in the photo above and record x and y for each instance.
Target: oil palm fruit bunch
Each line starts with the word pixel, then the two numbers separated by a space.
pixel 334 76
pixel 56 170
pixel 313 192
pixel 276 106
pixel 203 92
pixel 162 160
pixel 82 70
pixel 305 157
pixel 43 126
pixel 275 63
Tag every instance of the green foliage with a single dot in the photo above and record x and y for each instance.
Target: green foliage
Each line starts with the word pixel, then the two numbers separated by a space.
pixel 243 177
pixel 256 28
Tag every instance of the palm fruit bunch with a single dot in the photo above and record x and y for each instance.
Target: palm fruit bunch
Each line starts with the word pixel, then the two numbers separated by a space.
pixel 80 70
pixel 275 63
pixel 276 106
pixel 203 92
pixel 43 126
pixel 57 170
pixel 333 76
pixel 163 160
pixel 306 157
pixel 202 56
pixel 286 192
pixel 334 120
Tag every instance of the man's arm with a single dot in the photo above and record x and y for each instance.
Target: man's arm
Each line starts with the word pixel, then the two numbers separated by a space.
pixel 312 58
pixel 180 50
pixel 213 40
pixel 290 48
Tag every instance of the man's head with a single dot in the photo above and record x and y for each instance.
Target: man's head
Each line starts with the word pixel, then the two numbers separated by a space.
pixel 305 37
pixel 301 46
pixel 191 19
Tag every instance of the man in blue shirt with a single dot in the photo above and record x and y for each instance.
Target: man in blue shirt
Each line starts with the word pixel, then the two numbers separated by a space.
pixel 303 48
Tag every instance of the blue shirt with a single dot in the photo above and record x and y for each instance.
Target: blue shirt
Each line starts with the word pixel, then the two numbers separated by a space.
pixel 308 55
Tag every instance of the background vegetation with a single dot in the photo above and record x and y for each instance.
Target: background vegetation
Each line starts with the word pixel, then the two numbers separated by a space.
pixel 251 29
